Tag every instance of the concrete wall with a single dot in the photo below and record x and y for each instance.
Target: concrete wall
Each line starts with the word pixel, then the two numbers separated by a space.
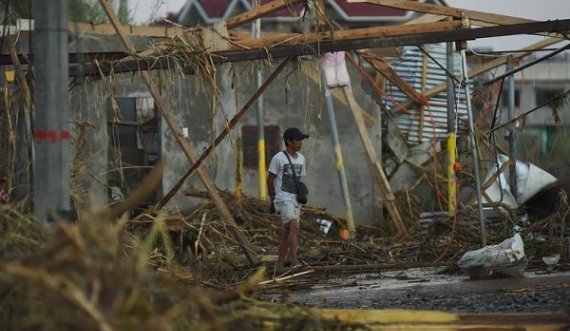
pixel 291 100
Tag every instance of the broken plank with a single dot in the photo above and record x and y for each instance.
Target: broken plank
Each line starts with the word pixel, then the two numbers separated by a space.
pixel 164 109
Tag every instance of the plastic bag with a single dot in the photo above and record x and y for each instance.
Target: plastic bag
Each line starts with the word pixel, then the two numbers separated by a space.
pixel 506 259
pixel 334 66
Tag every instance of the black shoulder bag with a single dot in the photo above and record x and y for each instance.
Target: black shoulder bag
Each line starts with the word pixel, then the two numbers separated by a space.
pixel 302 190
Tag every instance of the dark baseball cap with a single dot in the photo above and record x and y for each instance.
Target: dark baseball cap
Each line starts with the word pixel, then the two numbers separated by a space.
pixel 294 134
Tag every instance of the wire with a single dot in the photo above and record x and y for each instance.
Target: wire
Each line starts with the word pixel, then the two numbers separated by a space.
pixel 439 65
pixel 555 98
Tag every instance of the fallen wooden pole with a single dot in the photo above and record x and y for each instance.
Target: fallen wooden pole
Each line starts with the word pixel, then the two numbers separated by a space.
pixel 376 166
pixel 186 147
pixel 223 134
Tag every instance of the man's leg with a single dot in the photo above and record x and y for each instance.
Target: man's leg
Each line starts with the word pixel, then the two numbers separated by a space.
pixel 283 248
pixel 293 231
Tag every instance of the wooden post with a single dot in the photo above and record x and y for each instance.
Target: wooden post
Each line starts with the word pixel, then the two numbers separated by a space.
pixel 376 166
pixel 186 147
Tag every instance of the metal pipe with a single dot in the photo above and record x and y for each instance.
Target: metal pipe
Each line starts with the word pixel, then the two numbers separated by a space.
pixel 451 147
pixel 474 149
pixel 51 136
pixel 512 129
pixel 338 153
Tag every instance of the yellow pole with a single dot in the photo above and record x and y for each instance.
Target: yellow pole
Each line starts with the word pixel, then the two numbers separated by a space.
pixel 451 186
pixel 261 169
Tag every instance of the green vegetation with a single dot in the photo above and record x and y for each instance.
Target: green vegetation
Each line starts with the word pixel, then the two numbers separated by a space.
pixel 78 11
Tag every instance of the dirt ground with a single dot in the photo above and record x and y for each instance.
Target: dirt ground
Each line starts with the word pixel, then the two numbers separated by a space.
pixel 427 289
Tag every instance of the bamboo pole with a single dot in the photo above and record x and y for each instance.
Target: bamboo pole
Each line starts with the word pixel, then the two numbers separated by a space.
pixel 186 147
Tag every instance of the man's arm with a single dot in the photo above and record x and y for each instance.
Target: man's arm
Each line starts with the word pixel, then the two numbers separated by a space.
pixel 271 190
pixel 271 185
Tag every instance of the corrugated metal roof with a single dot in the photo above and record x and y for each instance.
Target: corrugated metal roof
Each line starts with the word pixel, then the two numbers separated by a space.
pixel 409 67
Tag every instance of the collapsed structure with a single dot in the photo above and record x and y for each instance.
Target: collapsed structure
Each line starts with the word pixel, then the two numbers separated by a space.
pixel 395 102
pixel 190 94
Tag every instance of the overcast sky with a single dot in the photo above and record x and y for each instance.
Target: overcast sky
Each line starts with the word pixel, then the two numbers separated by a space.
pixel 532 9
pixel 145 10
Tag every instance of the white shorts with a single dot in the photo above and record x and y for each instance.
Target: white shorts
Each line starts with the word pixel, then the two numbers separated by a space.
pixel 289 210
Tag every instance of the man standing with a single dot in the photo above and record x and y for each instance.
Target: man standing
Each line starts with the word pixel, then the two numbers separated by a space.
pixel 282 188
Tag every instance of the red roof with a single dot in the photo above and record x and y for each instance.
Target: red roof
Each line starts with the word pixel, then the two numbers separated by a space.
pixel 216 9
pixel 368 10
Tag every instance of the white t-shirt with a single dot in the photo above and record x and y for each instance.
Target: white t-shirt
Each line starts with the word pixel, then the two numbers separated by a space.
pixel 285 185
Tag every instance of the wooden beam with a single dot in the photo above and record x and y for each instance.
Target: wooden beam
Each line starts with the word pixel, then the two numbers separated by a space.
pixel 108 29
pixel 482 69
pixel 332 46
pixel 352 34
pixel 260 11
pixel 184 144
pixel 373 161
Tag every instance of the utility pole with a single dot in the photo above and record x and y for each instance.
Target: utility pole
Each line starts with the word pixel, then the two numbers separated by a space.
pixel 261 166
pixel 51 100
pixel 474 149
pixel 338 155
pixel 512 129
pixel 451 147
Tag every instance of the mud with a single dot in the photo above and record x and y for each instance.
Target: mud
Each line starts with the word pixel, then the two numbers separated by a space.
pixel 428 290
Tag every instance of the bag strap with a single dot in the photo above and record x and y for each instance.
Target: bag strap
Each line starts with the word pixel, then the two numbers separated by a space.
pixel 292 167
